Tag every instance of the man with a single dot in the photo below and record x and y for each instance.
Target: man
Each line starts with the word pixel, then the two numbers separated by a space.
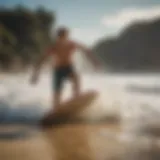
pixel 62 52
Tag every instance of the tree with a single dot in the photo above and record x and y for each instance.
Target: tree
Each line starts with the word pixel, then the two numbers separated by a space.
pixel 24 33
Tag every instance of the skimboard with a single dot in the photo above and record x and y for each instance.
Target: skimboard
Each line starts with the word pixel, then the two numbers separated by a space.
pixel 69 108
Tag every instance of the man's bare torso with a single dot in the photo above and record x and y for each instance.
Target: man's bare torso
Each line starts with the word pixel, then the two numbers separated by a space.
pixel 62 53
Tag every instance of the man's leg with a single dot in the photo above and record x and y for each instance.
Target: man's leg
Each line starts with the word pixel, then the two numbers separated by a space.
pixel 57 98
pixel 75 80
pixel 55 101
pixel 58 86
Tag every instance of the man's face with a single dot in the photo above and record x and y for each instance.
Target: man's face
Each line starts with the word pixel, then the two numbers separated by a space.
pixel 66 34
pixel 63 33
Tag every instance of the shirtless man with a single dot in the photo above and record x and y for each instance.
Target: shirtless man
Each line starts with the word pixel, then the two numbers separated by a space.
pixel 62 52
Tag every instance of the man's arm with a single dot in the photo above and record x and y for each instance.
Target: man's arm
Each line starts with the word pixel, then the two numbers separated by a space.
pixel 88 54
pixel 50 51
pixel 39 64
pixel 42 59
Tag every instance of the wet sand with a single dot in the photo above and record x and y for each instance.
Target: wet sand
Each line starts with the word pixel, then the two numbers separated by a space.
pixel 81 141
pixel 65 142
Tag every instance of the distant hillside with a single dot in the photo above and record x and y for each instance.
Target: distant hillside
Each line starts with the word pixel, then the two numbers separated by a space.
pixel 137 48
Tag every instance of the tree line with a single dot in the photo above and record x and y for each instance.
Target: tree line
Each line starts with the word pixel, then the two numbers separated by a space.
pixel 24 34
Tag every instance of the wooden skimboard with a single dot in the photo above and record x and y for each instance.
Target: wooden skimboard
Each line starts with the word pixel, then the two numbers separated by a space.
pixel 70 108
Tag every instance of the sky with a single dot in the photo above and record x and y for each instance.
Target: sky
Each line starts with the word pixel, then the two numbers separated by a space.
pixel 91 20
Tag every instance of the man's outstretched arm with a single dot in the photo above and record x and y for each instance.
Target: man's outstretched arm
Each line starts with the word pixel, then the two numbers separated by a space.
pixel 39 64
pixel 41 61
pixel 88 54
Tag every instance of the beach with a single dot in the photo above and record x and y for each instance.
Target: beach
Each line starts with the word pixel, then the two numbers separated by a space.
pixel 23 105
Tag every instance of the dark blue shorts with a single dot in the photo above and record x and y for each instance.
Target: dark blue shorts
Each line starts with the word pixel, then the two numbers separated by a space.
pixel 60 75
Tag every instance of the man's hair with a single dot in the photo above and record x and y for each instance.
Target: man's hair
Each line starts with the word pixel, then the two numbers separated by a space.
pixel 62 31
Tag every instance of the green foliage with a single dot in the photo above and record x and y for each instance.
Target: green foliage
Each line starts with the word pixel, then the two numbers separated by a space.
pixel 24 34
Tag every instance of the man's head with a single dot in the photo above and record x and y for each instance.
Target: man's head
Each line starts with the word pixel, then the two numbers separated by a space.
pixel 62 32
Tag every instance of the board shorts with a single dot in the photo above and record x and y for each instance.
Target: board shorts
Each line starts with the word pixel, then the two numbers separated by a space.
pixel 60 75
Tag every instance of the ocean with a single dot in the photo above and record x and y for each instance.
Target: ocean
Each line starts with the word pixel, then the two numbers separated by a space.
pixel 22 103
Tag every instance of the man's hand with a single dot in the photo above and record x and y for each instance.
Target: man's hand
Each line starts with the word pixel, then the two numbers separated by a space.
pixel 34 78
pixel 89 55
pixel 97 65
